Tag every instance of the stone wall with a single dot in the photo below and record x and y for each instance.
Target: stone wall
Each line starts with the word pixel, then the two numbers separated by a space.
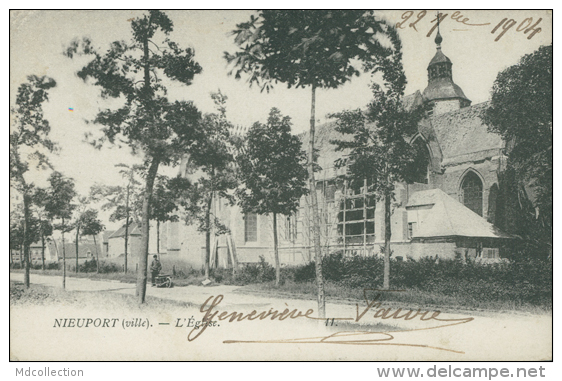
pixel 487 171
pixel 445 250
pixel 443 106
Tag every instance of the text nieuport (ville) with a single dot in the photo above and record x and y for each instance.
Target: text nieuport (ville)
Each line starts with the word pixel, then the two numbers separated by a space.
pixel 101 323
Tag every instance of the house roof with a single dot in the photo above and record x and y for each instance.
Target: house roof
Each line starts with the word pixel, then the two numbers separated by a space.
pixel 49 244
pixel 463 136
pixel 448 218
pixel 106 234
pixel 133 230
pixel 37 244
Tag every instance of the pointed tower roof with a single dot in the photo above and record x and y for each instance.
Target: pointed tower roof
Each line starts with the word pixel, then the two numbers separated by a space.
pixel 440 77
pixel 438 58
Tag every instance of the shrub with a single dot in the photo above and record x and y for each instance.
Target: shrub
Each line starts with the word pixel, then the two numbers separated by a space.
pixel 38 265
pixel 332 266
pixel 52 266
pixel 257 272
pixel 88 266
pixel 304 273
pixel 221 275
pixel 109 267
pixel 260 272
pixel 521 281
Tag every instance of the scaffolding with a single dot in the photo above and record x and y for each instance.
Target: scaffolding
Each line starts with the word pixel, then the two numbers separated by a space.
pixel 347 218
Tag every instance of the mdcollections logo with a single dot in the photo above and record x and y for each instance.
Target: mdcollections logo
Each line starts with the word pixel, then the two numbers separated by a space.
pixel 48 372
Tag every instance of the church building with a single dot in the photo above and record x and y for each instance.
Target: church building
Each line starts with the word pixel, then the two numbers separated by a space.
pixel 449 211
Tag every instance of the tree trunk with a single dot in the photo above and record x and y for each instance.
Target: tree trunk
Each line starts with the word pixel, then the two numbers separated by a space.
pixel 26 205
pixel 21 255
pixel 387 235
pixel 127 224
pixel 42 250
pixel 208 235
pixel 314 210
pixel 276 251
pixel 26 202
pixel 142 263
pixel 76 245
pixel 158 239
pixel 63 258
pixel 97 255
pixel 143 255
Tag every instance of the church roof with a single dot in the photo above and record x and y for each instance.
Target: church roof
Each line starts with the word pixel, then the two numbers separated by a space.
pixel 327 153
pixel 449 218
pixel 443 88
pixel 441 85
pixel 412 100
pixel 462 135
pixel 326 132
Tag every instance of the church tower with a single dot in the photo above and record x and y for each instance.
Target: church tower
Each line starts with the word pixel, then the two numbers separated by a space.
pixel 441 91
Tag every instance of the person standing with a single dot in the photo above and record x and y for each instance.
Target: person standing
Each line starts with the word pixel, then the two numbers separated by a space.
pixel 155 268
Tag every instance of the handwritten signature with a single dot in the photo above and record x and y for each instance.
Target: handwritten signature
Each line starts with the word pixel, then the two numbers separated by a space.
pixel 410 19
pixel 209 308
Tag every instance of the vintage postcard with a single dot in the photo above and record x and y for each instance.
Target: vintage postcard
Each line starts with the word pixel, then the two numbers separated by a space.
pixel 270 185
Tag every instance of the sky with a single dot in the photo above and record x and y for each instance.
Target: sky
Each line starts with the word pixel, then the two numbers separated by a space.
pixel 37 39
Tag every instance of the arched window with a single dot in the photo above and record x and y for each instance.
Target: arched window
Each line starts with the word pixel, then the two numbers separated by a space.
pixel 471 192
pixel 420 169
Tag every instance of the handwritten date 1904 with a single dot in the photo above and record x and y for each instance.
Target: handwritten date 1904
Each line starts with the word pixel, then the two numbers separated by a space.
pixel 528 26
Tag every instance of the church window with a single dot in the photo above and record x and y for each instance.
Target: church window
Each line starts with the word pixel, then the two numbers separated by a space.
pixel 471 192
pixel 251 227
pixel 420 166
pixel 411 229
